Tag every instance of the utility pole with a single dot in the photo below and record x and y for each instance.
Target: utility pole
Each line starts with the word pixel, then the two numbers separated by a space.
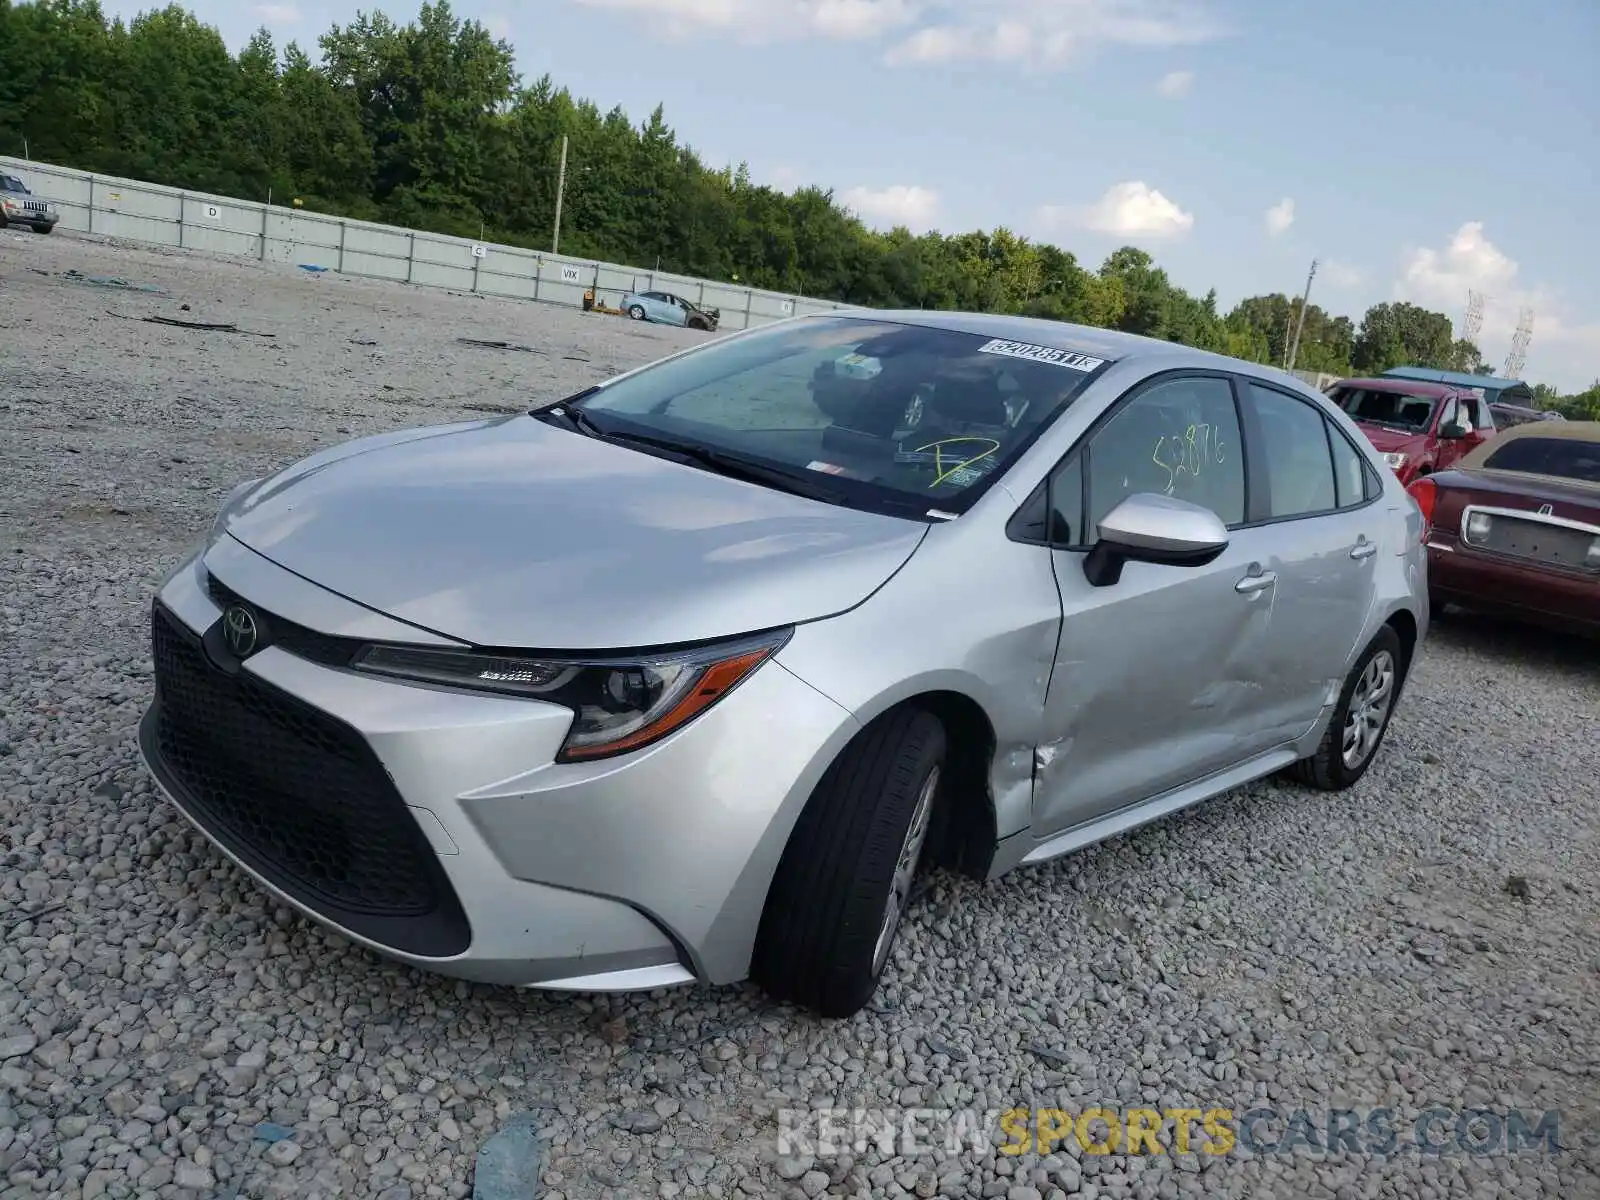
pixel 561 191
pixel 1294 346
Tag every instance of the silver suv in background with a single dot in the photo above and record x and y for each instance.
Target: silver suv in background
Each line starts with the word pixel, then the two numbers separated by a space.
pixel 686 677
pixel 19 206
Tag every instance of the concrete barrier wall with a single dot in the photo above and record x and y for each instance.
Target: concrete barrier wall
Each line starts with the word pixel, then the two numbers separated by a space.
pixel 149 212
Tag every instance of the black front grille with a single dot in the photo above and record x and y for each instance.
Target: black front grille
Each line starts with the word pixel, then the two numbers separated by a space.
pixel 298 796
pixel 322 648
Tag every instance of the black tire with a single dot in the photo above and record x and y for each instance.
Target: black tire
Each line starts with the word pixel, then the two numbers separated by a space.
pixel 44 228
pixel 696 323
pixel 1327 770
pixel 818 944
pixel 636 312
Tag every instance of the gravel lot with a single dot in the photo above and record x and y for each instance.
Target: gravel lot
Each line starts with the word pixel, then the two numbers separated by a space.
pixel 1273 948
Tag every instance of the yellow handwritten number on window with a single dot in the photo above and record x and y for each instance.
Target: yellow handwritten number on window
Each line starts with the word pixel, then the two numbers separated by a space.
pixel 941 471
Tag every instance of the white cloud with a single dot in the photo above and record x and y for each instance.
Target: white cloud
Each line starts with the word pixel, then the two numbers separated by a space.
pixel 900 204
pixel 769 19
pixel 1279 217
pixel 1029 33
pixel 1175 84
pixel 277 14
pixel 1469 261
pixel 784 178
pixel 1565 348
pixel 1341 274
pixel 1132 209
pixel 1049 33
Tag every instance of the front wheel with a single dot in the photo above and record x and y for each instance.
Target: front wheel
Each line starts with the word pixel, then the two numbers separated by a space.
pixel 845 878
pixel 44 228
pixel 636 311
pixel 1360 720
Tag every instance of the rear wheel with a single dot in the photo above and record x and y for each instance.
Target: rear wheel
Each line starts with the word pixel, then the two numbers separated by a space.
pixel 1360 720
pixel 845 878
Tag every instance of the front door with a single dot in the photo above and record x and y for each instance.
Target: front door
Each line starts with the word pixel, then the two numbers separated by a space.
pixel 1158 679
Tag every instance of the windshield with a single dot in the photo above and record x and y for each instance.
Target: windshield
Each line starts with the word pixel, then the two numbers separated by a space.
pixel 1393 409
pixel 885 416
pixel 1563 458
pixel 10 183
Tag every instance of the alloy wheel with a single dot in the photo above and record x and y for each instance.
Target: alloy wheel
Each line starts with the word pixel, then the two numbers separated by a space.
pixel 905 869
pixel 1368 710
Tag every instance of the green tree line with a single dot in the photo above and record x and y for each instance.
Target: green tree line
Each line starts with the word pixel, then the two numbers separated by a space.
pixel 428 125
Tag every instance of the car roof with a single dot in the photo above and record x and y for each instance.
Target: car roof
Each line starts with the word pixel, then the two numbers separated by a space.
pixel 1109 344
pixel 1403 387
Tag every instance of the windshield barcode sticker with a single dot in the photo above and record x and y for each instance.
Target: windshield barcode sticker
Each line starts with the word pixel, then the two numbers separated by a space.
pixel 1044 354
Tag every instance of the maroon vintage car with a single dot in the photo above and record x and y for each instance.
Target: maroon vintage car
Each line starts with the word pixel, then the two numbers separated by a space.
pixel 1514 527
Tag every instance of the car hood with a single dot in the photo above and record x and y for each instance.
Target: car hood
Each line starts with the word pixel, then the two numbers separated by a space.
pixel 1389 441
pixel 514 533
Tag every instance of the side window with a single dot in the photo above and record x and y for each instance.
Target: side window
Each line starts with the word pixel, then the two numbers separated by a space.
pixel 1177 438
pixel 1294 443
pixel 1452 412
pixel 1349 469
pixel 1066 505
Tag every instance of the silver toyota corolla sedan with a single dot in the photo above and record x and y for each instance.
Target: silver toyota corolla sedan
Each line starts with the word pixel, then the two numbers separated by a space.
pixel 687 676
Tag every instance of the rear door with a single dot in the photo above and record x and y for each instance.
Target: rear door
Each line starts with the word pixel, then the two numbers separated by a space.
pixel 1322 510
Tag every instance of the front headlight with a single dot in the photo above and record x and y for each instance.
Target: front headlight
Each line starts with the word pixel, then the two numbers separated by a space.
pixel 1592 558
pixel 619 704
pixel 1395 461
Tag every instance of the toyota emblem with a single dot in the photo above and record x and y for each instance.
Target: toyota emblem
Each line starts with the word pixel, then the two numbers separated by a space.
pixel 239 630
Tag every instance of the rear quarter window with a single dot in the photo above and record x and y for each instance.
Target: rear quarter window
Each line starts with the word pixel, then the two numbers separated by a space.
pixel 1564 458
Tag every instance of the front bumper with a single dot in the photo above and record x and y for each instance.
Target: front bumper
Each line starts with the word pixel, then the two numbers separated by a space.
pixel 22 216
pixel 434 827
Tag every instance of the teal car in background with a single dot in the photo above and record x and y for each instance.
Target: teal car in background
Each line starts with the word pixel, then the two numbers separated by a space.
pixel 669 309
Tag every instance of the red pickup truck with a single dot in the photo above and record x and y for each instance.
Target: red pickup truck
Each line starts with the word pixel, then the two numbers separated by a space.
pixel 1419 427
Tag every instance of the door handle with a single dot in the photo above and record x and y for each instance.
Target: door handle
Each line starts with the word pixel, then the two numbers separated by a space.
pixel 1363 549
pixel 1251 584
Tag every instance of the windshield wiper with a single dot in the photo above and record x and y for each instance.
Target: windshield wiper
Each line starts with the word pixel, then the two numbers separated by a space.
pixel 735 467
pixel 574 417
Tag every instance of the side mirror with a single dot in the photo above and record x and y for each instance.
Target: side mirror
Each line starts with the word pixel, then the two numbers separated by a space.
pixel 1453 430
pixel 1155 529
